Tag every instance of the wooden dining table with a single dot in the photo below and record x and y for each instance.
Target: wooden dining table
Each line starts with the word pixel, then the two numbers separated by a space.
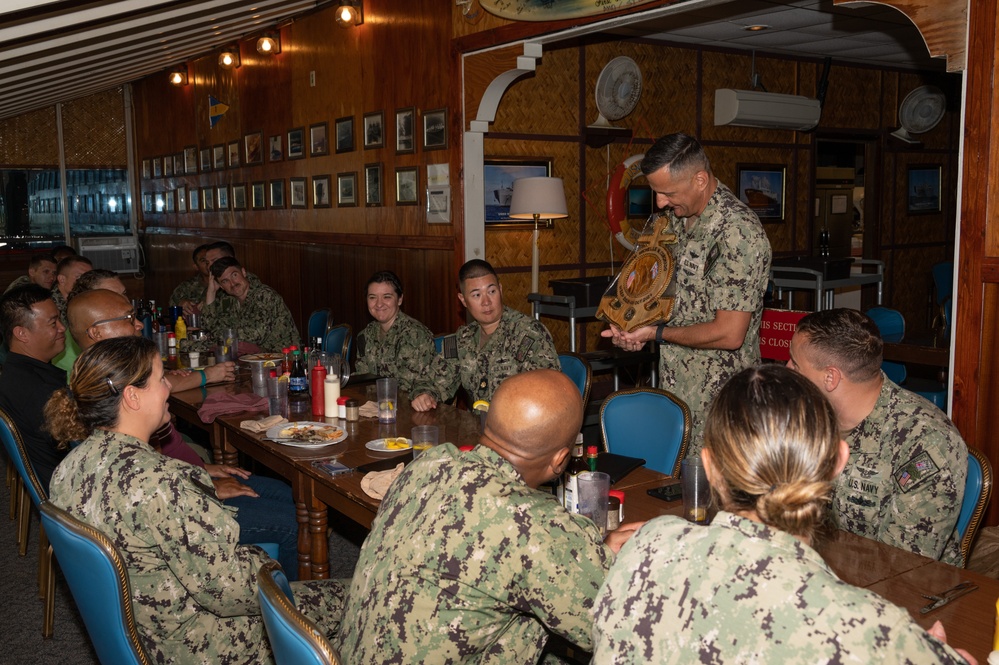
pixel 899 576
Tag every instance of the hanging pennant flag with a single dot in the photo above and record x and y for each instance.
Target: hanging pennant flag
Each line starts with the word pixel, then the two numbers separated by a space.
pixel 216 110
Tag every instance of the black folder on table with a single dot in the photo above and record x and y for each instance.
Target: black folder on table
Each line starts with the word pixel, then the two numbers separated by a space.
pixel 617 466
pixel 387 463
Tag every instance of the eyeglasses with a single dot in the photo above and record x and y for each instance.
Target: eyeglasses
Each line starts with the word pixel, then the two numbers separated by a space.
pixel 130 317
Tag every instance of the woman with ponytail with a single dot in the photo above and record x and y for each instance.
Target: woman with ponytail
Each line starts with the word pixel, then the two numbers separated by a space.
pixel 193 586
pixel 749 588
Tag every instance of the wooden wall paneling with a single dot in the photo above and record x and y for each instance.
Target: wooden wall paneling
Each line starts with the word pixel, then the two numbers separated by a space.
pixel 546 102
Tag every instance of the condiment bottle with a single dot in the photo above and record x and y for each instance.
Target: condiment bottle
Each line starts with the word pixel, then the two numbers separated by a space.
pixel 319 391
pixel 353 410
pixel 591 458
pixel 286 362
pixel 341 407
pixel 331 393
pixel 577 465
pixel 180 329
pixel 172 350
pixel 615 509
pixel 298 385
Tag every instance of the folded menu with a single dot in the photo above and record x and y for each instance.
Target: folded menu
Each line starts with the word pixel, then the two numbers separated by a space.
pixel 617 466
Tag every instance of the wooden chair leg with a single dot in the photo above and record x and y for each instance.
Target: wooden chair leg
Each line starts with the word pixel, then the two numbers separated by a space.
pixel 24 518
pixel 15 492
pixel 48 620
pixel 44 561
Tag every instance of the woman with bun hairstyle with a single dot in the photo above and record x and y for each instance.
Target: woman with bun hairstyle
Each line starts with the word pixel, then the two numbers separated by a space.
pixel 193 586
pixel 749 588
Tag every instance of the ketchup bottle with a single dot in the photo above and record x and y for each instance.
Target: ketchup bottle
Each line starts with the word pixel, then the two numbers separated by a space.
pixel 318 390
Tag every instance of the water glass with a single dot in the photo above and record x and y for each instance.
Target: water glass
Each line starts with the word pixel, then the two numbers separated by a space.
pixel 594 488
pixel 277 397
pixel 228 346
pixel 696 491
pixel 388 399
pixel 424 437
pixel 258 378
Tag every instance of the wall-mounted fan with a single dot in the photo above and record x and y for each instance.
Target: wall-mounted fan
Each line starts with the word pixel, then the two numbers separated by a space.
pixel 619 88
pixel 921 110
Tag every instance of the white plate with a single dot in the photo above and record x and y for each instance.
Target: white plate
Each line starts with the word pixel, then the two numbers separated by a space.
pixel 262 357
pixel 378 445
pixel 274 434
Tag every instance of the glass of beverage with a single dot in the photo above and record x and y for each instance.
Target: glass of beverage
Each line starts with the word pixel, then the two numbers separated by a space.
pixel 258 378
pixel 424 436
pixel 277 396
pixel 593 488
pixel 696 491
pixel 388 394
pixel 228 345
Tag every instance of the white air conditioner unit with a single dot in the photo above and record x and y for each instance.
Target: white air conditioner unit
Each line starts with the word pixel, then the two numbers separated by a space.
pixel 117 253
pixel 750 108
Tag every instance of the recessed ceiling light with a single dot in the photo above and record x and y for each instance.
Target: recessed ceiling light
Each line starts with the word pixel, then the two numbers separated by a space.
pixel 756 28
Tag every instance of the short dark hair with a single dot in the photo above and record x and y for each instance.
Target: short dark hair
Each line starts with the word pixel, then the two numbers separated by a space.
pixel 222 245
pixel 386 277
pixel 65 250
pixel 70 261
pixel 200 249
pixel 15 307
pixel 679 151
pixel 846 339
pixel 223 264
pixel 39 259
pixel 475 268
pixel 88 281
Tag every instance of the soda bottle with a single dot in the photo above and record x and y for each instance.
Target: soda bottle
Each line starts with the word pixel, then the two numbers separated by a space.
pixel 298 385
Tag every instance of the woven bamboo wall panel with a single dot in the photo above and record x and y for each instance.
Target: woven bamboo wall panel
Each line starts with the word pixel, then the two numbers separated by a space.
pixel 600 165
pixel 30 139
pixel 94 131
pixel 853 98
pixel 482 68
pixel 546 103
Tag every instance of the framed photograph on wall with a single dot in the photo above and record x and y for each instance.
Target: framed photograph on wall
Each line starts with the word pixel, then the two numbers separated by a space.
pixel 435 129
pixel 498 174
pixel 923 189
pixel 296 143
pixel 147 169
pixel 345 134
pixel 321 191
pixel 192 199
pixel 762 187
pixel 239 196
pixel 373 184
pixel 223 200
pixel 318 143
pixel 296 193
pixel 253 148
pixel 218 157
pixel 233 154
pixel 405 134
pixel 191 159
pixel 208 199
pixel 168 199
pixel 346 189
pixel 275 149
pixel 168 166
pixel 407 180
pixel 206 160
pixel 182 199
pixel 374 130
pixel 258 193
pixel 178 164
pixel 157 167
pixel 277 194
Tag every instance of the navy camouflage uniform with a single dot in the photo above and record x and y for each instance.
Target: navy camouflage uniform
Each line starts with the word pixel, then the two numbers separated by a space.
pixel 722 263
pixel 519 344
pixel 60 303
pixel 405 352
pixel 738 591
pixel 466 563
pixel 904 481
pixel 262 319
pixel 192 289
pixel 193 587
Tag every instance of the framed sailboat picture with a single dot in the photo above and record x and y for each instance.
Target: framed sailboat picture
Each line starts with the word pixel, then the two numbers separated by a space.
pixel 498 175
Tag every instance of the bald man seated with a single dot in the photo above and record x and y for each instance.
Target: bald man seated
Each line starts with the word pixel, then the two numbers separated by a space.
pixel 467 561
pixel 102 313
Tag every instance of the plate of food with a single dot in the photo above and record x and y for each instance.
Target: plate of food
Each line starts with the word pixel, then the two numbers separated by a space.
pixel 306 434
pixel 392 444
pixel 262 357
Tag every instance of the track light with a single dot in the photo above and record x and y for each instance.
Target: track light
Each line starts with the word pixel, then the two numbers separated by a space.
pixel 350 13
pixel 269 44
pixel 229 57
pixel 178 75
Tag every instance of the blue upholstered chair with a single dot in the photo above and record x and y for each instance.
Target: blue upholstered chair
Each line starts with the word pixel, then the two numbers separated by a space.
pixel 30 492
pixel 578 369
pixel 98 579
pixel 320 322
pixel 649 423
pixel 295 639
pixel 977 490
pixel 891 323
pixel 449 340
pixel 338 340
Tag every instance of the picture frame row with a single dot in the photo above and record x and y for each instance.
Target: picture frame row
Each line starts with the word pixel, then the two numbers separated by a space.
pixel 295 143
pixel 276 195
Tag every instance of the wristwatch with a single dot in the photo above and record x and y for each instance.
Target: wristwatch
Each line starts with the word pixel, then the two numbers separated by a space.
pixel 659 332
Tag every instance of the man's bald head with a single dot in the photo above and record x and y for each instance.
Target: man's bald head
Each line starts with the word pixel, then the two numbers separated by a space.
pixel 533 420
pixel 97 307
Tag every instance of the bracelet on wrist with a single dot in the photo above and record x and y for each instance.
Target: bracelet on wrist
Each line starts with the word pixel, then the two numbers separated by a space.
pixel 204 377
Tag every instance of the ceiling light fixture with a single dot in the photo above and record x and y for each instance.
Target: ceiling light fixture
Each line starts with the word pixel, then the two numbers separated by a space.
pixel 178 75
pixel 269 43
pixel 350 13
pixel 756 27
pixel 229 57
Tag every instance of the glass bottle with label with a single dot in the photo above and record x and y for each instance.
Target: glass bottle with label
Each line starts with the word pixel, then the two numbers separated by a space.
pixel 577 465
pixel 298 385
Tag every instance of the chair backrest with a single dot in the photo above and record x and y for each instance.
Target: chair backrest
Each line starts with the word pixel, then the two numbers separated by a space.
pixel 977 490
pixel 14 445
pixel 890 323
pixel 294 638
pixel 578 369
pixel 649 423
pixel 897 372
pixel 98 579
pixel 319 323
pixel 338 340
pixel 943 280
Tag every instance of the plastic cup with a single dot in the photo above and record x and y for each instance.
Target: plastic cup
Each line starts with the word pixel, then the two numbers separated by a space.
pixel 258 378
pixel 696 491
pixel 228 346
pixel 388 399
pixel 424 437
pixel 594 488
pixel 195 321
pixel 277 397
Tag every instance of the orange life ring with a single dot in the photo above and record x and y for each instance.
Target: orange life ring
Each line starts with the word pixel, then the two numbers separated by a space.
pixel 617 198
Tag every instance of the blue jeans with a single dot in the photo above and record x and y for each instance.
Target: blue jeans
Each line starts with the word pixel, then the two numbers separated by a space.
pixel 269 518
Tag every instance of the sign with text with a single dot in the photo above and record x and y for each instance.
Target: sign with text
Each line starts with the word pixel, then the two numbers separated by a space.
pixel 776 330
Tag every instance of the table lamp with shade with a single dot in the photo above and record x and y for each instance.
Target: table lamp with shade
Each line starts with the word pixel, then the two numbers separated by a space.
pixel 537 199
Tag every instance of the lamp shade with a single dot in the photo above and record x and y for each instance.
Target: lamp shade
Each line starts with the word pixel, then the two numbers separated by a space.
pixel 544 197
